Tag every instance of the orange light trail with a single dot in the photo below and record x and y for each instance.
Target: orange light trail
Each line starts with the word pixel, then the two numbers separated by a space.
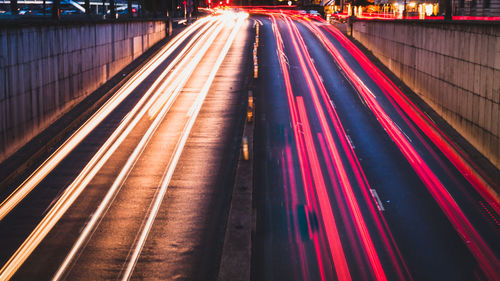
pixel 193 113
pixel 73 191
pixel 147 136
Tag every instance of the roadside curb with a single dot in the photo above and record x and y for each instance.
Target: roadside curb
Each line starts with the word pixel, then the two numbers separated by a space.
pixel 237 249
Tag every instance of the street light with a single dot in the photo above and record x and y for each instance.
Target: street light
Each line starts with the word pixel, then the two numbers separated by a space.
pixel 404 10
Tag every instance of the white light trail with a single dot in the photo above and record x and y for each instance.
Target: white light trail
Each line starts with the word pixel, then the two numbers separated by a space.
pixel 115 187
pixel 175 157
pixel 72 192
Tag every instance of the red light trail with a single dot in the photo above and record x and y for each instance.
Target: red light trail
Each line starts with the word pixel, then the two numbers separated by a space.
pixel 336 250
pixel 311 170
pixel 334 154
pixel 486 258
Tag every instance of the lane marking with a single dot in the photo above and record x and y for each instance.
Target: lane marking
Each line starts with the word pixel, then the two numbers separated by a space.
pixel 380 206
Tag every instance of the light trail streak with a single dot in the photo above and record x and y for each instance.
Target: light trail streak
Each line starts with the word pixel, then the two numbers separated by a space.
pixel 322 194
pixel 178 150
pixel 288 169
pixel 303 162
pixel 305 61
pixel 347 146
pixel 479 249
pixel 115 187
pixel 77 186
pixel 53 160
pixel 336 249
pixel 377 217
pixel 343 209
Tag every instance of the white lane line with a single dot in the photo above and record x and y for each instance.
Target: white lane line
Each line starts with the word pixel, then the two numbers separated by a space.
pixel 118 183
pixel 377 200
pixel 350 141
pixel 175 158
pixel 53 160
pixel 74 190
pixel 333 104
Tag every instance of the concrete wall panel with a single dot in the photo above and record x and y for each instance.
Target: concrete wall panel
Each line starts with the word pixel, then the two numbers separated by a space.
pixel 454 67
pixel 46 70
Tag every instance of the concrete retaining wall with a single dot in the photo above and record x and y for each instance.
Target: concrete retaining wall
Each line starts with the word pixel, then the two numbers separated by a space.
pixel 454 67
pixel 46 70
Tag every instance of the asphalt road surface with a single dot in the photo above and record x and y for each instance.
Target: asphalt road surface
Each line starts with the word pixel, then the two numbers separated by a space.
pixel 144 192
pixel 353 181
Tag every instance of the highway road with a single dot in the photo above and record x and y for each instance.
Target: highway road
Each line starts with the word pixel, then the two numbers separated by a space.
pixel 141 190
pixel 353 181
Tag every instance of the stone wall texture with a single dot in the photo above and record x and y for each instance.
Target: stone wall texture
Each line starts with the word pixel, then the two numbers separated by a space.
pixel 46 70
pixel 454 67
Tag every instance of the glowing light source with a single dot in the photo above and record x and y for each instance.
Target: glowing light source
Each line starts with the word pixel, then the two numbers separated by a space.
pixel 429 9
